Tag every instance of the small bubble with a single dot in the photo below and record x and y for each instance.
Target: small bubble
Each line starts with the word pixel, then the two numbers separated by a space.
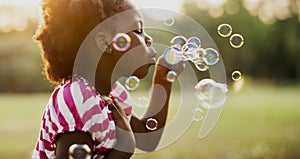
pixel 224 30
pixel 172 55
pixel 142 102
pixel 201 66
pixel 178 41
pixel 169 21
pixel 211 56
pixel 236 75
pixel 171 76
pixel 121 42
pixel 132 83
pixel 236 41
pixel 194 40
pixel 198 114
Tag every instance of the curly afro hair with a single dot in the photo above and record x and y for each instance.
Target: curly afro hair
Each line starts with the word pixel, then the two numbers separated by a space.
pixel 63 27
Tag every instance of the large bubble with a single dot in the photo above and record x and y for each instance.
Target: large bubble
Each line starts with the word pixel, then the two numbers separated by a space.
pixel 210 93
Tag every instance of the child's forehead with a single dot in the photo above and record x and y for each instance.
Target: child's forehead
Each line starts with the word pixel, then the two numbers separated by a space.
pixel 130 18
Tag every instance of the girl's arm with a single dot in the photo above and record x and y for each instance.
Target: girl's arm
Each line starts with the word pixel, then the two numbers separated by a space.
pixel 123 149
pixel 148 140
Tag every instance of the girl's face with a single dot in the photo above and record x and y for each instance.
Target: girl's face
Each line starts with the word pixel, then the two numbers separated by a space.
pixel 141 55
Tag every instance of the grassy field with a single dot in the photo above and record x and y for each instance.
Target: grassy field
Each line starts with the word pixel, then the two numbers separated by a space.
pixel 260 122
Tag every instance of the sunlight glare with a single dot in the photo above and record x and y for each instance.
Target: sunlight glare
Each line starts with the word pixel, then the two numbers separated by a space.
pixel 174 5
pixel 16 14
pixel 29 3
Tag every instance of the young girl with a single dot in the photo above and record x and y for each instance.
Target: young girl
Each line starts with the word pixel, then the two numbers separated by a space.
pixel 97 114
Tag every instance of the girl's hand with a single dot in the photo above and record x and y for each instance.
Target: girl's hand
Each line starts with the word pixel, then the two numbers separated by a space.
pixel 163 67
pixel 124 133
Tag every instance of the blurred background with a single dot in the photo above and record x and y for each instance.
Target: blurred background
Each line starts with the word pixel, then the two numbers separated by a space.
pixel 261 116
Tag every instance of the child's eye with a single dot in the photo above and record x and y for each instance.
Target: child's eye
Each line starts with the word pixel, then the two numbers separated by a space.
pixel 139 31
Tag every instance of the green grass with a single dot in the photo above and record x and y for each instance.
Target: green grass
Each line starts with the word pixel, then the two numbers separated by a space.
pixel 260 122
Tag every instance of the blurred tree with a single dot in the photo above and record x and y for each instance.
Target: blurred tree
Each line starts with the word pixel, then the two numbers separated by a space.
pixel 271 48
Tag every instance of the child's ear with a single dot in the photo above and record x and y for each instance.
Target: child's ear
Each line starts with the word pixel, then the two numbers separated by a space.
pixel 102 40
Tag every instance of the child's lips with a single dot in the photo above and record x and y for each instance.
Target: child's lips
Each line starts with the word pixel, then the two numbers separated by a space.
pixel 154 59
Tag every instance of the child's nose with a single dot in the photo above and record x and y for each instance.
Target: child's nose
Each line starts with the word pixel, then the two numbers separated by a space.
pixel 148 40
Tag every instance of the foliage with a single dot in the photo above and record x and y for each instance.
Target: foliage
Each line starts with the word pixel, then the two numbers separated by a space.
pixel 270 51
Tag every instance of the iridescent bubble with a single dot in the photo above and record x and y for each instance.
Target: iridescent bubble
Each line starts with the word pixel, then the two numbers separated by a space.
pixel 172 55
pixel 189 48
pixel 169 21
pixel 132 83
pixel 224 30
pixel 210 93
pixel 204 89
pixel 201 66
pixel 171 76
pixel 142 102
pixel 236 75
pixel 121 42
pixel 194 40
pixel 236 41
pixel 198 114
pixel 79 151
pixel 192 55
pixel 178 41
pixel 211 56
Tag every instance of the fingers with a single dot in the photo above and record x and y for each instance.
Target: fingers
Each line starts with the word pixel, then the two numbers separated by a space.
pixel 114 107
pixel 179 68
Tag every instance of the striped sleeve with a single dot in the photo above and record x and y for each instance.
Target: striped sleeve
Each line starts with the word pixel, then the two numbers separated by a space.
pixel 77 106
pixel 123 98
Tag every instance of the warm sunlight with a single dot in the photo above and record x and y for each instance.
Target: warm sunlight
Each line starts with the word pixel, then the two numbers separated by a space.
pixel 15 15
pixel 19 2
pixel 165 4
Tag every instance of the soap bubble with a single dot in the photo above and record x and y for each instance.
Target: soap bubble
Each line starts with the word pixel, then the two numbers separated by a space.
pixel 142 102
pixel 236 40
pixel 132 83
pixel 197 56
pixel 169 21
pixel 198 114
pixel 210 93
pixel 201 66
pixel 211 56
pixel 121 42
pixel 171 76
pixel 190 56
pixel 194 40
pixel 189 48
pixel 172 55
pixel 178 41
pixel 224 30
pixel 204 89
pixel 236 75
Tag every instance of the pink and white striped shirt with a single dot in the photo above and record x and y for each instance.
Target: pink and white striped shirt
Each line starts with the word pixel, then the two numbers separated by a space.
pixel 76 105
